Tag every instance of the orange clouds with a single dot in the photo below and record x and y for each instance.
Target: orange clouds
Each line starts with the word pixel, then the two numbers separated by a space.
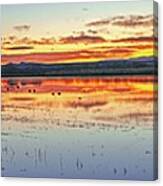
pixel 135 40
pixel 118 51
pixel 68 56
pixel 99 23
pixel 19 48
pixel 81 39
pixel 85 39
pixel 52 57
pixel 133 47
pixel 30 41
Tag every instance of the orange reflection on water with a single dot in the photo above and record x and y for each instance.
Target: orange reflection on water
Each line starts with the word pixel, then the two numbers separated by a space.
pixel 97 98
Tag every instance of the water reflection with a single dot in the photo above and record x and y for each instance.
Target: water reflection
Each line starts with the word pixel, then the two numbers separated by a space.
pixel 78 127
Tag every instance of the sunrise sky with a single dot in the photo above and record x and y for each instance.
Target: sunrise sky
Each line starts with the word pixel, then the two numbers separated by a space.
pixel 75 32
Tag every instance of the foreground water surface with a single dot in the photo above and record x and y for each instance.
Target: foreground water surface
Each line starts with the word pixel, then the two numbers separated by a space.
pixel 99 128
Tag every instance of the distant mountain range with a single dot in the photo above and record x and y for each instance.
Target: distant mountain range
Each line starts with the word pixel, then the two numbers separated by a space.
pixel 135 66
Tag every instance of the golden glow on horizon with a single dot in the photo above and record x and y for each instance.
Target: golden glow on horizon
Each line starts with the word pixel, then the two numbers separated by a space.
pixel 79 52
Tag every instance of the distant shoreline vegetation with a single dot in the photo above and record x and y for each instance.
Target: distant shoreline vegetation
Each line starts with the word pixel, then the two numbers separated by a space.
pixel 135 66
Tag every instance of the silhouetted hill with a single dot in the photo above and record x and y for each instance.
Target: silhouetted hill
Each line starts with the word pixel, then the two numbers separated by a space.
pixel 137 66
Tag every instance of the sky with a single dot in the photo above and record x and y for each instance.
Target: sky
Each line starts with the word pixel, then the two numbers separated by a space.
pixel 77 32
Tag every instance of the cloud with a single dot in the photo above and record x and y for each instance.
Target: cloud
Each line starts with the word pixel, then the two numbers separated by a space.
pixel 48 41
pixel 21 28
pixel 19 48
pixel 85 39
pixel 70 56
pixel 99 23
pixel 92 31
pixel 29 41
pixel 78 33
pixel 120 50
pixel 55 56
pixel 125 21
pixel 134 40
pixel 41 41
pixel 8 40
pixel 139 47
pixel 11 38
pixel 7 43
pixel 128 47
pixel 134 21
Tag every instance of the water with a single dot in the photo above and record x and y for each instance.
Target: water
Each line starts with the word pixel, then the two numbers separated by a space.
pixel 95 128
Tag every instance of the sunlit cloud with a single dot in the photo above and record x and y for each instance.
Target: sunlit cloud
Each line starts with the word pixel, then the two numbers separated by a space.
pixel 133 47
pixel 30 41
pixel 134 40
pixel 77 56
pixel 85 39
pixel 19 48
pixel 99 22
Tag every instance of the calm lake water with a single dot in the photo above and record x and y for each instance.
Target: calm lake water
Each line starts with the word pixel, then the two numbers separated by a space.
pixel 95 128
